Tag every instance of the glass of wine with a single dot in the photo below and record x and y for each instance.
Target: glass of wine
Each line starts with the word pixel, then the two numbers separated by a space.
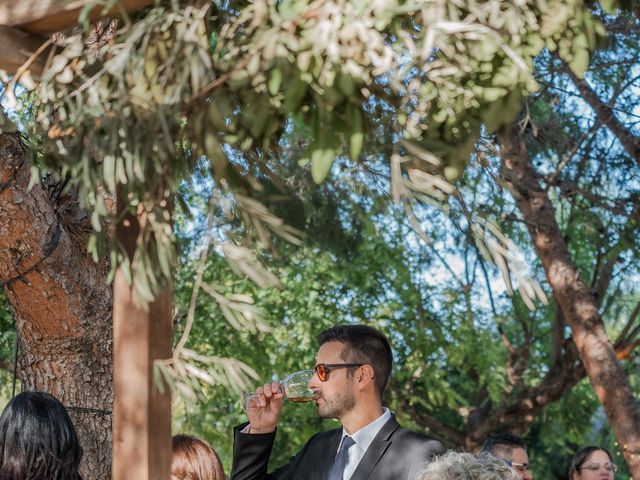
pixel 295 387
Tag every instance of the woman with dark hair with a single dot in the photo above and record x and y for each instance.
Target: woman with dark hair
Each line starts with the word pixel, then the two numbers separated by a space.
pixel 194 459
pixel 38 440
pixel 592 463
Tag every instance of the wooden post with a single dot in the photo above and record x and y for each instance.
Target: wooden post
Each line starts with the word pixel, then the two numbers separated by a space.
pixel 141 414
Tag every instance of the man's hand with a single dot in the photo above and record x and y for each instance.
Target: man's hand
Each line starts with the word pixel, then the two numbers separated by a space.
pixel 264 409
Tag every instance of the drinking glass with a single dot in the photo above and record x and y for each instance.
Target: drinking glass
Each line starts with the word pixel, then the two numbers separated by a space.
pixel 295 387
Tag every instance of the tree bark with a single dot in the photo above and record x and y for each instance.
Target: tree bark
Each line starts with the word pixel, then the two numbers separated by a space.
pixel 62 305
pixel 574 297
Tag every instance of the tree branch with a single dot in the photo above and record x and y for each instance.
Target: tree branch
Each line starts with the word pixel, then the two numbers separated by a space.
pixel 604 113
pixel 627 335
pixel 447 434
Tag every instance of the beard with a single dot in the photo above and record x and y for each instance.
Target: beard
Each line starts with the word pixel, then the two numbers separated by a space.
pixel 337 406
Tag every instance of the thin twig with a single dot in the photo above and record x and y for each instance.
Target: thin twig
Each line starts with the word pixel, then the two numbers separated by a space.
pixel 25 66
pixel 209 87
pixel 197 285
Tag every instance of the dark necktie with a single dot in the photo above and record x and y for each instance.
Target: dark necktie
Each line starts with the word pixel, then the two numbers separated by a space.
pixel 341 459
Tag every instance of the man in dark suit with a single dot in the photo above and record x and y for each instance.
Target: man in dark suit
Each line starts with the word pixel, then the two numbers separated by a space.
pixel 352 369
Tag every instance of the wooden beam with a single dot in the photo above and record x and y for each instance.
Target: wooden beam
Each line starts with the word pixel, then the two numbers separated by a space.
pixel 141 414
pixel 48 16
pixel 17 48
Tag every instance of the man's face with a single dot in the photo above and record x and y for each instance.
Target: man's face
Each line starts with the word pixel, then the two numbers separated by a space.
pixel 519 459
pixel 335 396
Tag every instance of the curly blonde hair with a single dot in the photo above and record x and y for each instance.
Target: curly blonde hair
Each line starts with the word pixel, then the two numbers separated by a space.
pixel 466 466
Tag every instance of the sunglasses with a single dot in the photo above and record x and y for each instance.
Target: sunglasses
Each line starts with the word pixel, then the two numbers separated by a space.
pixel 324 369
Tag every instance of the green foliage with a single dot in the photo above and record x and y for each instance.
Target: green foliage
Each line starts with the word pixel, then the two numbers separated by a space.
pixel 7 349
pixel 131 118
pixel 289 345
pixel 552 443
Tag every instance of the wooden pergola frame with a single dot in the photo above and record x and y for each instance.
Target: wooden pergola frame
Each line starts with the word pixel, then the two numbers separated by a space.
pixel 25 25
pixel 141 414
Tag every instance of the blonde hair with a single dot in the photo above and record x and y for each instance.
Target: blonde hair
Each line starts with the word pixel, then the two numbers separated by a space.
pixel 194 459
pixel 466 466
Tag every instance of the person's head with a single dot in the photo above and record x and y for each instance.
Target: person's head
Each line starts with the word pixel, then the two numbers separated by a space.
pixel 38 440
pixel 368 354
pixel 194 459
pixel 465 466
pixel 512 450
pixel 592 463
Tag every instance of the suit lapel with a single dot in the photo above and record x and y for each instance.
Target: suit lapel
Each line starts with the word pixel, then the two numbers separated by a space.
pixel 376 450
pixel 325 455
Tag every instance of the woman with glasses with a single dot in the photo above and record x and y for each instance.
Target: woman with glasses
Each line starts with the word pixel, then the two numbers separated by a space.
pixel 592 463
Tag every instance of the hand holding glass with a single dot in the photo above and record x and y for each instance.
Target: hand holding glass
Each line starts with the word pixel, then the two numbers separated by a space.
pixel 295 388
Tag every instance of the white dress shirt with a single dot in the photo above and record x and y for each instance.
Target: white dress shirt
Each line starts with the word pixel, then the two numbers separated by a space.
pixel 363 439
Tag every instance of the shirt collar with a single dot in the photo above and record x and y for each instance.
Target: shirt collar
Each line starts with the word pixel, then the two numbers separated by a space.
pixel 365 435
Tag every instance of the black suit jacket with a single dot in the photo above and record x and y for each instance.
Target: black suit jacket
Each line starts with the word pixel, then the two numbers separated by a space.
pixel 395 454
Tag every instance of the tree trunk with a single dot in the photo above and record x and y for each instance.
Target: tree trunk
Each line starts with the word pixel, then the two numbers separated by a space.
pixel 574 297
pixel 62 304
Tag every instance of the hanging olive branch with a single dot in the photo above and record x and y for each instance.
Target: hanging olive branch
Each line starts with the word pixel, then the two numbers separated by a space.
pixel 190 81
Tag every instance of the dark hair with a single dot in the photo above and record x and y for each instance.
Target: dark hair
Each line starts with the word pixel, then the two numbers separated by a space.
pixel 363 344
pixel 38 440
pixel 194 459
pixel 502 444
pixel 581 456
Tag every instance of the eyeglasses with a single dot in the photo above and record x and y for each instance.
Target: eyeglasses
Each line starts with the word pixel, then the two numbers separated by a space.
pixel 521 467
pixel 324 369
pixel 594 467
